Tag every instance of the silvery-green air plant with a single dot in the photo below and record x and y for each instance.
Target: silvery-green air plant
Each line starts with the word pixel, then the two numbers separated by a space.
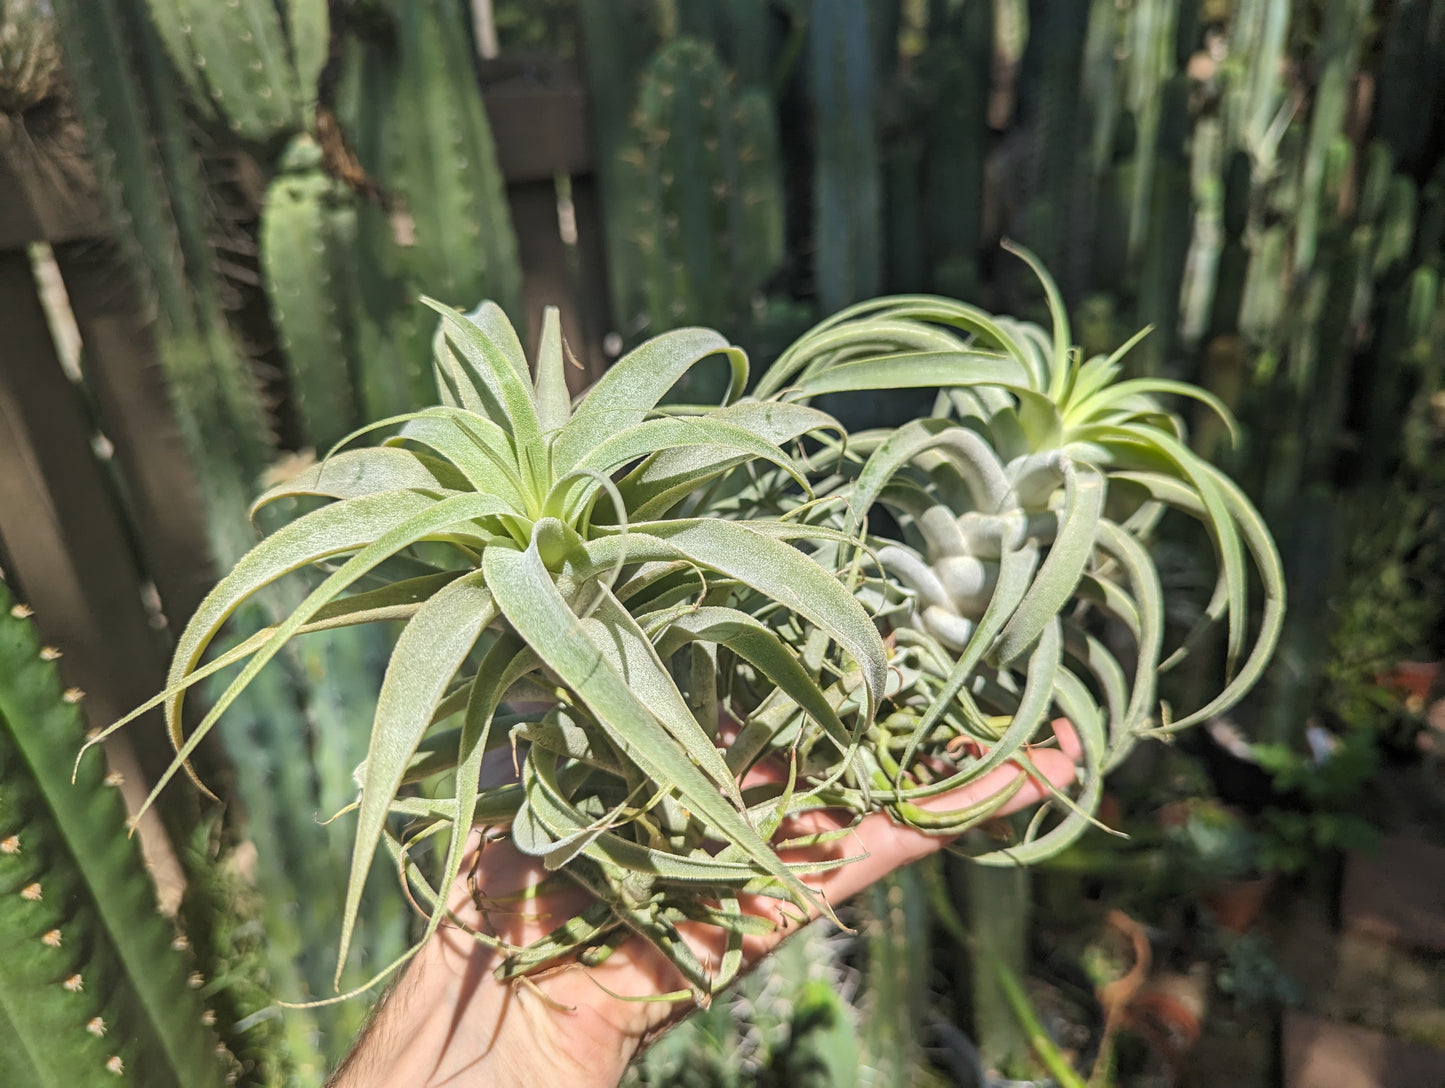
pixel 643 573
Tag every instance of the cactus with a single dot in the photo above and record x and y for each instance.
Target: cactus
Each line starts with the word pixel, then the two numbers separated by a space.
pixel 708 220
pixel 955 71
pixel 785 1024
pixel 618 38
pixel 1055 58
pixel 685 154
pixel 447 231
pixel 758 247
pixel 93 990
pixel 308 244
pixel 847 219
pixel 155 194
pixel 238 64
pixel 1170 228
pixel 1336 57
pixel 739 30
pixel 29 54
pixel 1408 99
pixel 441 162
pixel 898 999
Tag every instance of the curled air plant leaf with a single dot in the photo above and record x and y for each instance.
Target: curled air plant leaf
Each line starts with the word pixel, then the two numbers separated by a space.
pixel 560 553
pixel 1024 504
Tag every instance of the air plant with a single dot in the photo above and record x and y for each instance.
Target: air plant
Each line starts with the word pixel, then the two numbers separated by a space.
pixel 642 573
pixel 562 553
pixel 1020 582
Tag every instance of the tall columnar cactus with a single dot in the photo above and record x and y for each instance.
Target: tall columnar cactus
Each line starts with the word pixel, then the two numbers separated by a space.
pixel 93 987
pixel 251 65
pixel 308 246
pixel 1055 54
pixel 618 38
pixel 420 130
pixel 684 156
pixel 955 74
pixel 847 217
pixel 741 32
pixel 707 221
pixel 1335 56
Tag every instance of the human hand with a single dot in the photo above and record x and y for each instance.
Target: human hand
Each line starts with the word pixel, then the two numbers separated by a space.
pixel 450 1022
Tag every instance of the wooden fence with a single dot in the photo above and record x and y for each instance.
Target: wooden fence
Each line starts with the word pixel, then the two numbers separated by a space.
pixel 100 516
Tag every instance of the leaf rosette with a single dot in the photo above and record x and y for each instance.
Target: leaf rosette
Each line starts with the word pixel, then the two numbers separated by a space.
pixel 560 555
pixel 1015 562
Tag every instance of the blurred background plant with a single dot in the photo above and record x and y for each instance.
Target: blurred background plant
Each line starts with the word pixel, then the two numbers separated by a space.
pixel 1263 181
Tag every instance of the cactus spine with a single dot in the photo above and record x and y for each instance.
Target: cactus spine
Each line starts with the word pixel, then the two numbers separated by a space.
pixel 91 990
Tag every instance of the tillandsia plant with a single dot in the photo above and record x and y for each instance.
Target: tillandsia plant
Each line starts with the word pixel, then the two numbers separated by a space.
pixel 638 574
pixel 1018 584
pixel 563 555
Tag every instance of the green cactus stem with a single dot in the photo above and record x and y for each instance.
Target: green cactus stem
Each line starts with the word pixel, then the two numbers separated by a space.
pixel 308 246
pixel 93 990
pixel 847 218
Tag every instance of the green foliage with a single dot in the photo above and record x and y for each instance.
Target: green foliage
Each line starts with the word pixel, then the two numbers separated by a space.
pixel 1024 517
pixel 542 551
pixel 341 267
pixel 92 989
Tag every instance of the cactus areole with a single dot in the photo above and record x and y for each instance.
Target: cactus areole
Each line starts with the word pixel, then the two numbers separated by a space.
pixel 642 571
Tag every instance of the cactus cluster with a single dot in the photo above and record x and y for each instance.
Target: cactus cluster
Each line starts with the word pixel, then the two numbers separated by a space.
pixel 95 987
pixel 163 85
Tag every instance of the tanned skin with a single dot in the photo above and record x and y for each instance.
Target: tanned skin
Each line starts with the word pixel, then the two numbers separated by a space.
pixel 449 1022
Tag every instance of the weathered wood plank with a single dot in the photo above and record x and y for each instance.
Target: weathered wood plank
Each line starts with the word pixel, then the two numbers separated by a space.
pixel 537 107
pixel 548 275
pixel 127 383
pixel 66 544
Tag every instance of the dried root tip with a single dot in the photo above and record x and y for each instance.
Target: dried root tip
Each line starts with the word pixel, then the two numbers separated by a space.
pixel 181 942
pixel 208 1018
pixel 74 984
pixel 21 611
pixel 31 892
pixel 73 695
pixel 52 938
pixel 196 980
pixel 96 1027
pixel 10 845
pixel 115 1065
pixel 49 653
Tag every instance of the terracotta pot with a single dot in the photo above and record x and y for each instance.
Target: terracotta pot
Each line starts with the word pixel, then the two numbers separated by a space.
pixel 1234 905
